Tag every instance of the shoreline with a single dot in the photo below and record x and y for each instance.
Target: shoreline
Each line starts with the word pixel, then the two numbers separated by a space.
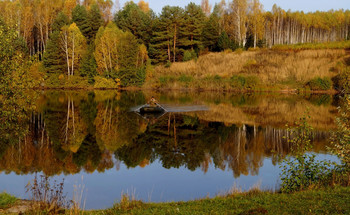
pixel 282 91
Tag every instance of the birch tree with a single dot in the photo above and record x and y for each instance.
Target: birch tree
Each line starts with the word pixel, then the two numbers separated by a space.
pixel 240 11
pixel 73 44
pixel 256 20
pixel 106 52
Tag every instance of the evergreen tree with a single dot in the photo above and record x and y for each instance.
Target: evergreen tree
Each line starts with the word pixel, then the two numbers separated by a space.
pixel 210 34
pixel 80 17
pixel 60 21
pixel 95 21
pixel 224 42
pixel 193 26
pixel 53 59
pixel 88 67
pixel 167 35
pixel 137 21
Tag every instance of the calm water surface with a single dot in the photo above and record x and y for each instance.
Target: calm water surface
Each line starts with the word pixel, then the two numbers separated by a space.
pixel 207 143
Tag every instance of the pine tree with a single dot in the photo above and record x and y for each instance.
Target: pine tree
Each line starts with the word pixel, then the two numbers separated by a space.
pixel 167 35
pixel 140 23
pixel 60 21
pixel 80 17
pixel 88 66
pixel 210 34
pixel 193 26
pixel 95 21
pixel 53 59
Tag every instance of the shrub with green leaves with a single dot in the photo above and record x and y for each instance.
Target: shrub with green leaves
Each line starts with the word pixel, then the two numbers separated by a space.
pixel 342 81
pixel 321 83
pixel 341 138
pixel 300 169
pixel 6 200
pixel 244 82
pixel 185 79
pixel 189 55
pixel 104 83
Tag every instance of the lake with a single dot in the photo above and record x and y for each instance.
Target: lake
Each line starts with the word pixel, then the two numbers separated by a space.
pixel 207 144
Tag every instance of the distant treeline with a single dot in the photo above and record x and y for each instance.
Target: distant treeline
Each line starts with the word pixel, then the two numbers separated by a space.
pixel 85 38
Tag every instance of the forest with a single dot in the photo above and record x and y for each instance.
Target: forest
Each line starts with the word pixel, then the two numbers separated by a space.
pixel 101 43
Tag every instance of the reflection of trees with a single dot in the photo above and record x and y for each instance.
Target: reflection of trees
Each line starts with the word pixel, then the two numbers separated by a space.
pixel 75 132
pixel 115 125
pixel 179 140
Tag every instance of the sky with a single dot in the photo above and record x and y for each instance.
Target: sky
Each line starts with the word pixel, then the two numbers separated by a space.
pixel 294 5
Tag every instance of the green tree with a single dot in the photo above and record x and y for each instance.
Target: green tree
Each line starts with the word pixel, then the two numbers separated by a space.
pixel 95 21
pixel 60 21
pixel 117 55
pixel 167 34
pixel 193 26
pixel 224 42
pixel 53 59
pixel 73 44
pixel 137 21
pixel 80 17
pixel 211 33
pixel 88 66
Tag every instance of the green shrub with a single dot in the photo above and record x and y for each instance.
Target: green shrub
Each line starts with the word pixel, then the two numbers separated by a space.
pixel 6 200
pixel 185 79
pixel 238 81
pixel 104 83
pixel 321 83
pixel 217 78
pixel 168 64
pixel 301 170
pixel 342 81
pixel 189 55
pixel 251 82
pixel 244 82
pixel 164 80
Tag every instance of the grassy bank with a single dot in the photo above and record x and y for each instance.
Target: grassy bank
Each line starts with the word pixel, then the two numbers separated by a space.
pixel 323 201
pixel 278 69
pixel 333 200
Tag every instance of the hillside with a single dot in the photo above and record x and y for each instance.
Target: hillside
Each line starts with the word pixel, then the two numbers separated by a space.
pixel 266 69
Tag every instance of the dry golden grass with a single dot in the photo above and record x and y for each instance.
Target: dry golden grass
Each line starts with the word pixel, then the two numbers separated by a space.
pixel 272 67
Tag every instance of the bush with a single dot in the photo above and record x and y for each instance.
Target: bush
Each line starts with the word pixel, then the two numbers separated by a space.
pixel 6 200
pixel 241 82
pixel 237 81
pixel 321 83
pixel 164 80
pixel 251 82
pixel 168 64
pixel 189 55
pixel 104 83
pixel 342 81
pixel 300 170
pixel 185 79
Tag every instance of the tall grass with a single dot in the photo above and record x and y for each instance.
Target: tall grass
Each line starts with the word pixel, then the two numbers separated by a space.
pixel 293 68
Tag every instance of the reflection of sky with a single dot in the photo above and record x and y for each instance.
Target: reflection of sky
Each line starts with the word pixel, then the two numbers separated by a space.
pixel 308 5
pixel 103 189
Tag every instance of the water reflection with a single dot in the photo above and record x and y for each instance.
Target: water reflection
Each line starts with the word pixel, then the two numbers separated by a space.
pixel 72 132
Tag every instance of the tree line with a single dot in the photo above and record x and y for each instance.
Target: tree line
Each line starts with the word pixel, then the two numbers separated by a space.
pixel 85 38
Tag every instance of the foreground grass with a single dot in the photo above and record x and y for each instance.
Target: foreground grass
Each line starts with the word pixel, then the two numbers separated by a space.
pixel 323 201
pixel 6 200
